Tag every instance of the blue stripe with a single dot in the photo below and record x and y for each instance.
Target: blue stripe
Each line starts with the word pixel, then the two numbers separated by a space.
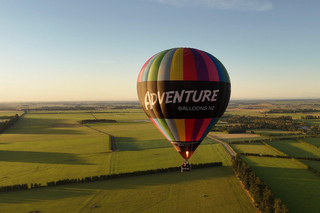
pixel 211 124
pixel 146 69
pixel 165 66
pixel 173 129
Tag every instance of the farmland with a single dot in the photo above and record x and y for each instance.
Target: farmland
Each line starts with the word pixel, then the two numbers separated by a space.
pixel 207 190
pixel 49 144
pixel 297 187
pixel 295 148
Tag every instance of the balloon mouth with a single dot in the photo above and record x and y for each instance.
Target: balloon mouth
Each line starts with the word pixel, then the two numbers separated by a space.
pixel 186 155
pixel 186 148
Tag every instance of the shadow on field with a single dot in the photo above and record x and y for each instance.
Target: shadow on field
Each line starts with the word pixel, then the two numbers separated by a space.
pixel 292 150
pixel 48 193
pixel 41 157
pixel 298 188
pixel 131 144
pixel 196 177
pixel 27 125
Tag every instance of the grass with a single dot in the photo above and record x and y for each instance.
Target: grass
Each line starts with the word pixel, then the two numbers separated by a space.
pixel 257 148
pixel 128 161
pixel 295 149
pixel 313 164
pixel 297 187
pixel 10 112
pixel 46 147
pixel 313 121
pixel 204 190
pixel 274 132
pixel 246 112
pixel 236 137
pixel 312 141
pixel 134 136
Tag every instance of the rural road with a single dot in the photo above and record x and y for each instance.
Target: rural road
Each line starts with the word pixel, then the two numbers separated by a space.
pixel 226 146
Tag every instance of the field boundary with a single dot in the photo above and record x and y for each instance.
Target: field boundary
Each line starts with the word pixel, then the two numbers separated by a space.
pixel 112 140
pixel 227 147
pixel 308 144
pixel 274 149
pixel 18 187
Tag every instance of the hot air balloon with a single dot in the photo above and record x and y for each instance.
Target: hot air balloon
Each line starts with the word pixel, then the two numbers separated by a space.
pixel 184 92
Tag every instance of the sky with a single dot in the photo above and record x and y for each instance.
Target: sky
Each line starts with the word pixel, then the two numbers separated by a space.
pixel 81 50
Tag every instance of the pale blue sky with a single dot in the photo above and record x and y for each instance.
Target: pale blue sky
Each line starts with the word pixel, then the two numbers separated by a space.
pixel 68 50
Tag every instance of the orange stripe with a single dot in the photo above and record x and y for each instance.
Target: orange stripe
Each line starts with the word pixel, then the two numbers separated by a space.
pixel 181 128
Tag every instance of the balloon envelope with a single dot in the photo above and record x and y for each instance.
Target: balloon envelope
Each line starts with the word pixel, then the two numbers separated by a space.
pixel 184 92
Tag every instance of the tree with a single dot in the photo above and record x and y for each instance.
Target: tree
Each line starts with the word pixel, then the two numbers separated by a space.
pixel 267 204
pixel 280 207
pixel 256 190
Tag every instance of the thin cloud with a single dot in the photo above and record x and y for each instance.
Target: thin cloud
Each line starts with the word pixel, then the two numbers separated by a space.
pixel 242 5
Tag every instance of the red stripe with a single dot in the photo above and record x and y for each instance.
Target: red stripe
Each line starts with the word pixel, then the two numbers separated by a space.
pixel 189 123
pixel 212 70
pixel 204 126
pixel 189 66
pixel 142 69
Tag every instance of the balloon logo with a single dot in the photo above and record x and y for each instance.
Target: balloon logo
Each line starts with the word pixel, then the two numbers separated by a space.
pixel 184 92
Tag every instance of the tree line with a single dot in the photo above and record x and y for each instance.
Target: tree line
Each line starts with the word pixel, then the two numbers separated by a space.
pixel 292 110
pixel 273 139
pixel 263 197
pixel 279 156
pixel 63 108
pixel 6 124
pixel 90 121
pixel 284 123
pixel 103 177
pixel 310 117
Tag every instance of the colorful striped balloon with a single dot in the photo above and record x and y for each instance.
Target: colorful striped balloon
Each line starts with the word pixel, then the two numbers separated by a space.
pixel 184 92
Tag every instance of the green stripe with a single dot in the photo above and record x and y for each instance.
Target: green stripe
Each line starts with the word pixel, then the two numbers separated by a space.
pixel 153 72
pixel 165 127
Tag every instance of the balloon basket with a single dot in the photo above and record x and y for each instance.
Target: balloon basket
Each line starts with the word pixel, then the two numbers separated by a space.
pixel 186 166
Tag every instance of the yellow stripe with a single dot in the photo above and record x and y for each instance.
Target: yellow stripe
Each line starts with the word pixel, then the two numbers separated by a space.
pixel 180 124
pixel 176 71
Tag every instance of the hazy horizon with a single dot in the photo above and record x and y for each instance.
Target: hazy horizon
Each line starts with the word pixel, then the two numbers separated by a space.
pixel 137 101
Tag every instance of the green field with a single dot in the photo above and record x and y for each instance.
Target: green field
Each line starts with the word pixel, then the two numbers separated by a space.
pixel 48 147
pixel 312 141
pixel 274 132
pixel 297 187
pixel 313 164
pixel 248 136
pixel 51 145
pixel 10 113
pixel 257 148
pixel 44 147
pixel 295 149
pixel 204 190
pixel 241 139
pixel 313 121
